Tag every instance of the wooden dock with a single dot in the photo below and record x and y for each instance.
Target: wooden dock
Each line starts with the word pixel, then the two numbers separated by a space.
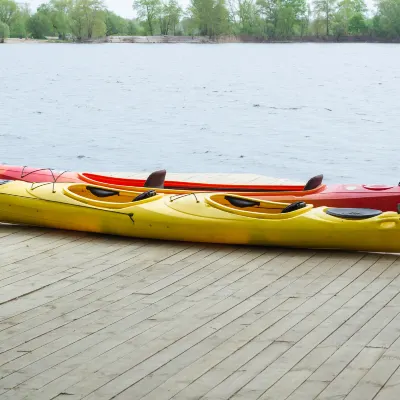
pixel 85 316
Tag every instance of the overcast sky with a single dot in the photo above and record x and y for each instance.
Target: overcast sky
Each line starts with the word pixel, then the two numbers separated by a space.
pixel 124 7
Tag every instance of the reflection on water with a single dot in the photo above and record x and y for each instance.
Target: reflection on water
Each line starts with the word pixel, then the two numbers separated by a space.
pixel 287 110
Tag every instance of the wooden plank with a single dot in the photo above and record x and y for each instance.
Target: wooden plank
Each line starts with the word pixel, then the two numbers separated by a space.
pixel 178 331
pixel 219 351
pixel 391 389
pixel 4 334
pixel 45 278
pixel 352 374
pixel 353 325
pixel 165 304
pixel 333 356
pixel 267 336
pixel 332 317
pixel 95 270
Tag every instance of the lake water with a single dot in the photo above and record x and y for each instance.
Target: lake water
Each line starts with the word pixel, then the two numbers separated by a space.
pixel 284 110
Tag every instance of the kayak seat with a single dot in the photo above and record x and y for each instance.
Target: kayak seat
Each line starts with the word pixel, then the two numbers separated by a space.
pixel 314 182
pixel 353 213
pixel 156 179
pixel 294 207
pixel 145 195
pixel 101 192
pixel 241 203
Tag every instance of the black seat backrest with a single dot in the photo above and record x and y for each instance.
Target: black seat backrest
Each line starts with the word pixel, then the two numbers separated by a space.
pixel 145 195
pixel 353 213
pixel 99 192
pixel 241 203
pixel 297 205
pixel 156 179
pixel 314 182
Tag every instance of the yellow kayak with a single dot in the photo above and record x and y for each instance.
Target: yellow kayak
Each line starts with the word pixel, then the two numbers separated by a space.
pixel 199 217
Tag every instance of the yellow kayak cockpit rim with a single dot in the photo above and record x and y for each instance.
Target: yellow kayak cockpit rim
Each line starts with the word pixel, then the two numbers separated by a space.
pixel 105 197
pixel 255 208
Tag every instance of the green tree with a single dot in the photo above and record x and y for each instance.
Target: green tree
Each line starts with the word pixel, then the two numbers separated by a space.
pixel 93 14
pixel 115 25
pixel 269 12
pixel 349 18
pixel 376 26
pixel 60 16
pixel 88 19
pixel 8 10
pixel 4 32
pixel 211 17
pixel 357 24
pixel 148 11
pixel 304 20
pixel 290 15
pixel 283 17
pixel 170 14
pixel 20 22
pixel 325 10
pixel 189 26
pixel 44 8
pixel 78 26
pixel 132 27
pixel 39 25
pixel 249 21
pixel 389 18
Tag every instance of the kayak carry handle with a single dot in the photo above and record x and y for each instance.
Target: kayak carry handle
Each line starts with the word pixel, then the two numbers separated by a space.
pixel 241 203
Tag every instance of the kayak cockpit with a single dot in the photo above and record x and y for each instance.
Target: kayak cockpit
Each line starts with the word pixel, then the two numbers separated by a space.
pixel 255 208
pixel 108 198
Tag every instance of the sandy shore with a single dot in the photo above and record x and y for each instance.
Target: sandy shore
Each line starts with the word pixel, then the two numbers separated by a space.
pixel 19 41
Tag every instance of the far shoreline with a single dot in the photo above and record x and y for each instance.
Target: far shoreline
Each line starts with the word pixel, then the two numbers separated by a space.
pixel 206 40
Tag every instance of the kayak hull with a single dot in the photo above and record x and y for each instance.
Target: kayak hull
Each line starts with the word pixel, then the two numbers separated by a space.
pixel 194 218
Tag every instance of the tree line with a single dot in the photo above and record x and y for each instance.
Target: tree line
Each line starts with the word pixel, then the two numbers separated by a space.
pixel 82 20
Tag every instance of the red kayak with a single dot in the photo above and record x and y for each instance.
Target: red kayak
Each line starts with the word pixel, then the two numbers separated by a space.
pixel 155 180
pixel 382 197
